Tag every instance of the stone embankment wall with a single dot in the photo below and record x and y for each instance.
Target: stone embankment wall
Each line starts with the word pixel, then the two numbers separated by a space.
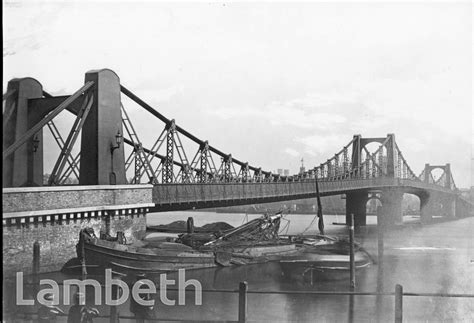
pixel 58 240
pixel 54 215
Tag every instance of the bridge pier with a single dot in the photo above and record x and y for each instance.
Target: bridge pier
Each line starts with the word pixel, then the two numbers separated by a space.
pixel 356 203
pixel 428 207
pixel 458 208
pixel 392 207
pixel 449 206
pixel 462 208
pixel 440 205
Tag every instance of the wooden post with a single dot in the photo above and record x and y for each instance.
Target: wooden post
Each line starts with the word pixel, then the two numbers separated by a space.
pixel 83 252
pixel 398 303
pixel 36 265
pixel 36 257
pixel 114 314
pixel 190 225
pixel 380 232
pixel 243 302
pixel 351 309
pixel 351 252
pixel 107 223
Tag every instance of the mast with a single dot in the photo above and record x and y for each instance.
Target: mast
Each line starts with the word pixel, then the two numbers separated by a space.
pixel 320 208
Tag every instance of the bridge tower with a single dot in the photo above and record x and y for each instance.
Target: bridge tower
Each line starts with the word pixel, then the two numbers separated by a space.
pixel 24 167
pixel 440 204
pixel 356 152
pixel 391 147
pixel 101 164
pixel 356 201
pixel 98 115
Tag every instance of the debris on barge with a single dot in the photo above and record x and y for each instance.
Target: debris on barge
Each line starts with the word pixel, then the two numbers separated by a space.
pixel 256 241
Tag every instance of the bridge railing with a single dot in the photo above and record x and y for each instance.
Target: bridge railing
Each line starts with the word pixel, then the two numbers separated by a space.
pixel 213 192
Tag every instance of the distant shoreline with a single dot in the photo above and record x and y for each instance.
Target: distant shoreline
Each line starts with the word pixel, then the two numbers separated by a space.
pixel 326 212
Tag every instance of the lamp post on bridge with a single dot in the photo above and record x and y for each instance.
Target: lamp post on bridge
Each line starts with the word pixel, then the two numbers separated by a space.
pixel 118 142
pixel 35 143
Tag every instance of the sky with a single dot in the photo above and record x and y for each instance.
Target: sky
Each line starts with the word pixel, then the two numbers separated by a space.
pixel 269 82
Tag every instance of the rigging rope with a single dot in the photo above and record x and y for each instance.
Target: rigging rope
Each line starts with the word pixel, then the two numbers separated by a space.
pixel 245 219
pixel 310 225
pixel 287 226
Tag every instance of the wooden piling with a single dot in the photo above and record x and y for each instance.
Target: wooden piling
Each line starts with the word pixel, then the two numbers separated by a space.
pixel 114 313
pixel 190 225
pixel 36 265
pixel 380 233
pixel 36 257
pixel 351 253
pixel 351 309
pixel 107 223
pixel 83 258
pixel 398 303
pixel 243 302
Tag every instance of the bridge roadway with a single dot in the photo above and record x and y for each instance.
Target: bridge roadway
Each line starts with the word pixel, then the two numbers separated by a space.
pixel 37 202
pixel 186 196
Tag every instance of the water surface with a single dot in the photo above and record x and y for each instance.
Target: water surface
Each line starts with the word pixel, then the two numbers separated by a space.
pixel 435 258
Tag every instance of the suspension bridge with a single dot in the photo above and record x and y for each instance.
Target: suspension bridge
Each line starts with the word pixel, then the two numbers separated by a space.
pixel 116 172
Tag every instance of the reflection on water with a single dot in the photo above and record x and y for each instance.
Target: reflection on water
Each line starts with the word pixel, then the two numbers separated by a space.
pixel 434 258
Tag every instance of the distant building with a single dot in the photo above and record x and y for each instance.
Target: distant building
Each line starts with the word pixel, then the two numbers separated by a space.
pixel 302 168
pixel 283 172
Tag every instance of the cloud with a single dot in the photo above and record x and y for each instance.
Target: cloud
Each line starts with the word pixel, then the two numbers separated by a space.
pixel 326 145
pixel 292 152
pixel 163 94
pixel 296 114
pixel 309 112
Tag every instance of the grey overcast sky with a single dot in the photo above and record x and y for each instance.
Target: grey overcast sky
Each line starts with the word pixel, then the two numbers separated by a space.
pixel 270 83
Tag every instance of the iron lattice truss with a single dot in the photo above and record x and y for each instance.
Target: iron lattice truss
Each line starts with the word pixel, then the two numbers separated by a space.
pixel 350 163
pixel 66 164
pixel 446 179
pixel 210 165
pixel 167 161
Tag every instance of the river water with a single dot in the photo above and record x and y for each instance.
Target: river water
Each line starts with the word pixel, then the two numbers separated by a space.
pixel 434 258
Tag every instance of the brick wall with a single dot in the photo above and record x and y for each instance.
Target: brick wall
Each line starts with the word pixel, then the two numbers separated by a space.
pixel 58 240
pixel 74 198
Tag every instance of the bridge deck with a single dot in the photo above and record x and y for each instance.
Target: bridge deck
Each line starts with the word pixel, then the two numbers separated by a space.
pixel 186 196
pixel 69 200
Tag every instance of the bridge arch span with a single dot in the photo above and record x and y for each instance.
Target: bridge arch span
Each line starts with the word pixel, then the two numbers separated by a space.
pixel 364 142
